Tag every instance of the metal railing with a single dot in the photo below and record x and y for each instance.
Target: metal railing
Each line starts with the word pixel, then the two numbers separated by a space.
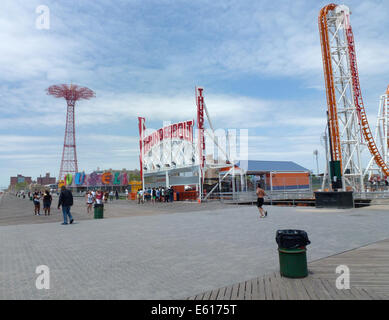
pixel 287 196
pixel 250 196
pixel 370 195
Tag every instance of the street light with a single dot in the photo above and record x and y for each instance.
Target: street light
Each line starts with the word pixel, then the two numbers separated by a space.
pixel 316 153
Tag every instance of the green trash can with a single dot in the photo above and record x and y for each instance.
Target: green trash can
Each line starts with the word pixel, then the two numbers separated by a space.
pixel 292 253
pixel 293 262
pixel 99 211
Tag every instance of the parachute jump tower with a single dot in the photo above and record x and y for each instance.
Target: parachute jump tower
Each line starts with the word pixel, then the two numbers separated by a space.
pixel 71 94
pixel 348 127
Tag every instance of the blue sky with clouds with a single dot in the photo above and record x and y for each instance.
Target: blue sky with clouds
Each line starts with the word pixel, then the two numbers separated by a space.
pixel 259 62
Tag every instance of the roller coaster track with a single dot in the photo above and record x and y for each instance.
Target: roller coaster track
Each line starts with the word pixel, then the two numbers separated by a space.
pixel 356 89
pixel 329 81
pixel 386 105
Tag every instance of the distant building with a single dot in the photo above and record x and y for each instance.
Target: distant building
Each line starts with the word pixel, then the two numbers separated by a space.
pixel 276 175
pixel 46 180
pixel 19 179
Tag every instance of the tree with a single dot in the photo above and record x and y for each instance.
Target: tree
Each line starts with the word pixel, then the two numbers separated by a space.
pixel 134 175
pixel 21 186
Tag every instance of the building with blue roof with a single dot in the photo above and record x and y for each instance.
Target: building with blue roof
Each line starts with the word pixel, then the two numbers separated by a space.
pixel 275 175
pixel 255 166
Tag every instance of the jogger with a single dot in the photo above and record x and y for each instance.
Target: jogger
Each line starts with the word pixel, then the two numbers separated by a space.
pixel 260 194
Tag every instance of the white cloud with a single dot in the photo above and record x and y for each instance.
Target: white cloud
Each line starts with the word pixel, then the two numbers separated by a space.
pixel 316 122
pixel 145 62
pixel 109 109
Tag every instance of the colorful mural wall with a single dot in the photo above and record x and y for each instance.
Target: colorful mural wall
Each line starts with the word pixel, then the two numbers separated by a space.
pixel 95 179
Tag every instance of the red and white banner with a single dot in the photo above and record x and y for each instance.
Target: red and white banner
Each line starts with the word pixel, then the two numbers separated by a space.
pixel 180 130
pixel 166 148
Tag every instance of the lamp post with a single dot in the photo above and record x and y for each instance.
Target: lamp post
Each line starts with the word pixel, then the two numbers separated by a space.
pixel 316 153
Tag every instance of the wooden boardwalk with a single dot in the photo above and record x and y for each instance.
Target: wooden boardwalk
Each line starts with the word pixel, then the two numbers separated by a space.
pixel 369 280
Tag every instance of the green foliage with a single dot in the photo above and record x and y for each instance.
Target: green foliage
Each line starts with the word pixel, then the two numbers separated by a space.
pixel 21 186
pixel 134 176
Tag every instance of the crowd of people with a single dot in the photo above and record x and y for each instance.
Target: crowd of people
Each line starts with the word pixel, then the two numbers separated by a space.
pixel 22 194
pixel 65 200
pixel 153 195
pixel 43 199
pixel 99 197
pixel 36 198
pixel 378 184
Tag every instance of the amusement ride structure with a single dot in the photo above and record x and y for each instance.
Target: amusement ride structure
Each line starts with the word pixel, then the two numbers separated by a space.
pixel 349 130
pixel 171 156
pixel 71 94
pixel 381 134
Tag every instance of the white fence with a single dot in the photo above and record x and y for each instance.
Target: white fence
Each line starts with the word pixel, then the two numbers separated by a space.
pixel 250 196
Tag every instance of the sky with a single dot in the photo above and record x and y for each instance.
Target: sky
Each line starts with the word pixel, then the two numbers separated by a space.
pixel 259 64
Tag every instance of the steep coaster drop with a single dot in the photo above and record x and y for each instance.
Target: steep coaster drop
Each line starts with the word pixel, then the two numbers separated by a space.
pixel 347 119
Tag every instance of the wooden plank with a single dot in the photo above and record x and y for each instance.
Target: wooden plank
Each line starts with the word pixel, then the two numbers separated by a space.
pixel 293 293
pixel 261 288
pixel 248 291
pixel 267 286
pixel 321 290
pixel 345 294
pixel 234 293
pixel 335 294
pixel 227 295
pixel 300 289
pixel 369 268
pixel 349 295
pixel 221 294
pixel 241 291
pixel 372 294
pixel 307 284
pixel 255 289
pixel 281 285
pixel 274 287
pixel 290 290
pixel 207 295
pixel 359 294
pixel 214 294
pixel 199 296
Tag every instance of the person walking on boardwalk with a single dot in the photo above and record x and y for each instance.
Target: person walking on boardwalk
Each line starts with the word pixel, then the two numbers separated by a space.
pixel 167 194
pixel 260 194
pixel 37 203
pixel 142 196
pixel 116 195
pixel 99 197
pixel 47 199
pixel 171 194
pixel 89 202
pixel 111 194
pixel 158 194
pixel 139 195
pixel 66 201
